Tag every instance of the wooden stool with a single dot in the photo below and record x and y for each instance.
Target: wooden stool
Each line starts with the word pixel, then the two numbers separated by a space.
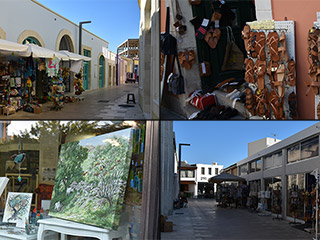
pixel 131 98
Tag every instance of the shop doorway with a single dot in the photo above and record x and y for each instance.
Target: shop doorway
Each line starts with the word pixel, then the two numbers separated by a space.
pixel 238 12
pixel 86 70
pixel 66 44
pixel 101 72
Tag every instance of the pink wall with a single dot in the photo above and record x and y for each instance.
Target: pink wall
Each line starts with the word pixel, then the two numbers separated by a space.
pixel 303 12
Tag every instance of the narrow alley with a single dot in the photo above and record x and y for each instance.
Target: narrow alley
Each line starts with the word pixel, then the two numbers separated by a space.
pixel 202 219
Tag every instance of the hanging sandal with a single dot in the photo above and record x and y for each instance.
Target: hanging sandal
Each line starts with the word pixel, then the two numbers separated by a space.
pixel 192 57
pixel 313 45
pixel 260 43
pixel 253 44
pixel 262 107
pixel 249 76
pixel 271 70
pixel 279 83
pixel 291 81
pixel 212 37
pixel 272 43
pixel 276 104
pixel 250 102
pixel 292 101
pixel 260 71
pixel 282 50
pixel 318 110
pixel 245 34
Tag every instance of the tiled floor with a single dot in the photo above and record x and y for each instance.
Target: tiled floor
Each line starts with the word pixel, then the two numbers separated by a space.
pixel 92 107
pixel 203 220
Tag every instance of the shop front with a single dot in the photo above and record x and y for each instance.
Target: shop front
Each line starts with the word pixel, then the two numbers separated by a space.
pixel 31 76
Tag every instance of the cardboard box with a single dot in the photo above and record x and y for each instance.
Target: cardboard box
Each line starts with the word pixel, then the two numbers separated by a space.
pixel 168 227
pixel 37 110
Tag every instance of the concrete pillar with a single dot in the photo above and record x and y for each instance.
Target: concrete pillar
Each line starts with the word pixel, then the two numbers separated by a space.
pixel 284 183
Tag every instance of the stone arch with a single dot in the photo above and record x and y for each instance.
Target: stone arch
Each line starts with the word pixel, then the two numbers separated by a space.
pixel 30 33
pixel 2 34
pixel 65 33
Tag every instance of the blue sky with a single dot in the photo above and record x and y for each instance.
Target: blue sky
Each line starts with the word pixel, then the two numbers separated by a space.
pixel 113 20
pixel 226 142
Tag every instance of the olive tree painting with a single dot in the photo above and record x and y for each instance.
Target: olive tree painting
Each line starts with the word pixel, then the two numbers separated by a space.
pixel 17 207
pixel 91 179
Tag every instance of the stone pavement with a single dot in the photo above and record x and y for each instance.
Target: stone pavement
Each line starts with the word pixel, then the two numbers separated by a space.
pixel 202 219
pixel 97 105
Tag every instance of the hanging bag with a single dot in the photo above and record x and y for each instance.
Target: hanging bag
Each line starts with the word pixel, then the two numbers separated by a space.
pixel 234 58
pixel 168 43
pixel 176 81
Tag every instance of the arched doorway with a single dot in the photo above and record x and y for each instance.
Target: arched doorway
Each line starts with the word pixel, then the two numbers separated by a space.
pixel 66 44
pixel 31 40
pixel 101 72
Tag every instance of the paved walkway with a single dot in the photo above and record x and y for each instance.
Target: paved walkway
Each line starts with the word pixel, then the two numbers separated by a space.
pixel 202 219
pixel 97 104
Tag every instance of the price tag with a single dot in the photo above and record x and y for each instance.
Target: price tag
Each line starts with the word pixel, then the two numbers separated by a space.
pixel 318 16
pixel 203 68
pixel 205 22
pixel 217 24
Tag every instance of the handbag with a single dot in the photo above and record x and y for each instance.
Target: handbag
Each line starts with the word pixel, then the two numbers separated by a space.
pixel 234 58
pixel 201 101
pixel 168 43
pixel 176 81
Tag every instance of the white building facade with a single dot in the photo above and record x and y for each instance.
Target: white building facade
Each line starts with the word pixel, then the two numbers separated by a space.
pixel 28 20
pixel 203 173
pixel 280 176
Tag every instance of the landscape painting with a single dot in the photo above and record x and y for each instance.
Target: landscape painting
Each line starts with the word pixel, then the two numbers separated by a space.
pixel 91 179
pixel 17 207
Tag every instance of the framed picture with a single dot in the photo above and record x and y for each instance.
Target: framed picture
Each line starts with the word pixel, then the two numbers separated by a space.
pixel 91 179
pixel 17 207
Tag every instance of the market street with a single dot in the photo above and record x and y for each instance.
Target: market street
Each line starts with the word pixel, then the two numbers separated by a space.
pixel 202 219
pixel 97 104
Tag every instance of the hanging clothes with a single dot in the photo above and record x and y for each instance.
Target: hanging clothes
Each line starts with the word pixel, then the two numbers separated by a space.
pixel 76 66
pixel 52 66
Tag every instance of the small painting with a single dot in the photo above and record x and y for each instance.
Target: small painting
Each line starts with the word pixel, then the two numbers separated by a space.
pixel 17 207
pixel 91 179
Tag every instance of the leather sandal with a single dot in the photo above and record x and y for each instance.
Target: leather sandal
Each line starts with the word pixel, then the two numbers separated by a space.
pixel 279 83
pixel 253 44
pixel 212 37
pixel 250 102
pixel 261 41
pixel 282 50
pixel 276 104
pixel 216 16
pixel 291 81
pixel 292 101
pixel 249 76
pixel 272 43
pixel 262 107
pixel 183 60
pixel 245 34
pixel 192 57
pixel 260 71
pixel 313 45
pixel 186 59
pixel 318 110
pixel 271 71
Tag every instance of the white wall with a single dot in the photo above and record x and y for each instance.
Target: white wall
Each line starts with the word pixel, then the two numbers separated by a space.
pixel 256 146
pixel 263 9
pixel 18 16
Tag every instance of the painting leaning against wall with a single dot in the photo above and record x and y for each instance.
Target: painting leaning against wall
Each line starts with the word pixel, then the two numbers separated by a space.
pixel 91 179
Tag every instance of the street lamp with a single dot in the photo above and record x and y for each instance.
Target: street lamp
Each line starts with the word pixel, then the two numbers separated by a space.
pixel 80 34
pixel 180 145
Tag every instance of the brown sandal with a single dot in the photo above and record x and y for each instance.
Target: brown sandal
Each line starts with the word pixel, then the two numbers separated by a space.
pixel 318 110
pixel 262 108
pixel 283 53
pixel 249 76
pixel 291 73
pixel 260 71
pixel 253 44
pixel 260 43
pixel 250 102
pixel 272 43
pixel 245 36
pixel 271 71
pixel 276 104
pixel 279 83
pixel 212 37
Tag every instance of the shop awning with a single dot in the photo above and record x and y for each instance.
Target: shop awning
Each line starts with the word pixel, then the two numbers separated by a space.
pixel 75 57
pixel 9 48
pixel 40 52
pixel 226 177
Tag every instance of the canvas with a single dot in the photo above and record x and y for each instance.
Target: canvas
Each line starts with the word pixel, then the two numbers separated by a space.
pixel 17 207
pixel 91 179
